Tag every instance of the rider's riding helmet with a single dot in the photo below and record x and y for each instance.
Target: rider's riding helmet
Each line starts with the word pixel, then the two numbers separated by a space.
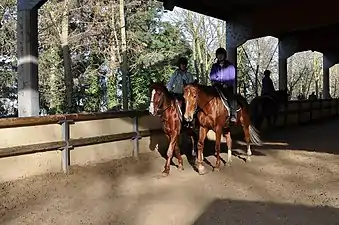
pixel 182 61
pixel 267 72
pixel 221 51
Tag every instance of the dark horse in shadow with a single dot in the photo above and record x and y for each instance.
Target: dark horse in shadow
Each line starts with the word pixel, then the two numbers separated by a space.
pixel 267 107
pixel 166 106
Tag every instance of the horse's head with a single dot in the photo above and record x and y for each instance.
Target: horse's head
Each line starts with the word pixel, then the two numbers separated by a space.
pixel 157 92
pixel 191 92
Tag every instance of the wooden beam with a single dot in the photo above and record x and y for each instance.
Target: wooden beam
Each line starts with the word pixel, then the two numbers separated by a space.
pixel 29 4
pixel 52 146
pixel 54 119
pixel 322 39
pixel 279 20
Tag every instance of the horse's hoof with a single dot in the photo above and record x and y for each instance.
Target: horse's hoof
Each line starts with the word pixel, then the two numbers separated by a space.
pixel 165 173
pixel 201 170
pixel 181 167
pixel 216 169
pixel 228 164
pixel 248 159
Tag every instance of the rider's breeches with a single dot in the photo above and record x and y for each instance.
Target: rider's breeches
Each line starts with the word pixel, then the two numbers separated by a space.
pixel 231 98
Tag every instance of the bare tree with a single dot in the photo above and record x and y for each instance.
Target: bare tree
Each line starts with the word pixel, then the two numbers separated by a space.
pixel 205 34
pixel 124 64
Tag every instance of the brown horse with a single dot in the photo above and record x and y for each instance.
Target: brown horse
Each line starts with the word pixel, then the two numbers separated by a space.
pixel 164 105
pixel 213 115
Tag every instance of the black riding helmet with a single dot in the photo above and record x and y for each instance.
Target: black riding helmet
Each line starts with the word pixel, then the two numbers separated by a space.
pixel 182 61
pixel 221 51
pixel 267 72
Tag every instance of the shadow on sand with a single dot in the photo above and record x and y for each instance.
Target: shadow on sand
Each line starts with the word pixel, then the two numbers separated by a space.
pixel 235 212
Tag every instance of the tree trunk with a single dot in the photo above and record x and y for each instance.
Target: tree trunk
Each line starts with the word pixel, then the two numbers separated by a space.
pixel 124 65
pixel 257 81
pixel 203 78
pixel 196 66
pixel 68 79
pixel 114 56
pixel 204 62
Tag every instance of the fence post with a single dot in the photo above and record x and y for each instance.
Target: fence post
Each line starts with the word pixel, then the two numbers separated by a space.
pixel 136 136
pixel 311 110
pixel 299 112
pixel 286 113
pixel 65 129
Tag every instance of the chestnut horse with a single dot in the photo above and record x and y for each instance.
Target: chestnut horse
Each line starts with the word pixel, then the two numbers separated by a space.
pixel 213 115
pixel 164 105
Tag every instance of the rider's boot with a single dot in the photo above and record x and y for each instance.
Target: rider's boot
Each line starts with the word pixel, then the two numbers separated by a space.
pixel 184 122
pixel 233 111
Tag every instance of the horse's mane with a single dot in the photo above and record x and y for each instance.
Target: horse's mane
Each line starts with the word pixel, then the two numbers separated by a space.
pixel 212 92
pixel 164 90
pixel 208 90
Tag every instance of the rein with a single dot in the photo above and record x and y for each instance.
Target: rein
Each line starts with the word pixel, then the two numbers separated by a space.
pixel 197 109
pixel 162 100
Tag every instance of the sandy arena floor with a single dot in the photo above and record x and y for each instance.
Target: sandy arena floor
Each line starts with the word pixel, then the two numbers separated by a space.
pixel 295 184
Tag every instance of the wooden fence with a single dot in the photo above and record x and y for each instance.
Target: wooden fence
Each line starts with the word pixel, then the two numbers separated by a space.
pixel 297 112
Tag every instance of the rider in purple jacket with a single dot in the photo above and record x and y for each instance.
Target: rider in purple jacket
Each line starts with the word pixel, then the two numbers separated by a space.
pixel 223 74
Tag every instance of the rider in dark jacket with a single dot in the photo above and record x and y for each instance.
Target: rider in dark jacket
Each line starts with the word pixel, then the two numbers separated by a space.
pixel 267 84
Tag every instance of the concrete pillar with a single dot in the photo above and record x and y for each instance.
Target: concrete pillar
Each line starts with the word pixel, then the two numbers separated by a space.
pixel 282 73
pixel 287 47
pixel 329 60
pixel 232 57
pixel 27 50
pixel 326 78
pixel 236 35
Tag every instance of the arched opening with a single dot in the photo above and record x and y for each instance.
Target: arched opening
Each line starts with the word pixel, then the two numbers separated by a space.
pixel 304 74
pixel 254 57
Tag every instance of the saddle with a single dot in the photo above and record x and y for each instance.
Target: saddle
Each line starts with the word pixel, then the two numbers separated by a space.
pixel 178 105
pixel 224 100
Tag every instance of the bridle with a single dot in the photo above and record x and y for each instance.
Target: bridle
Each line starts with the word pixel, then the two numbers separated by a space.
pixel 159 109
pixel 197 108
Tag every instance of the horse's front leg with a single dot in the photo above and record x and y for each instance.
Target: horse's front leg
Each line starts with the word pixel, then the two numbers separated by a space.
pixel 218 132
pixel 194 145
pixel 229 147
pixel 247 134
pixel 173 141
pixel 202 136
pixel 194 141
pixel 245 122
pixel 179 157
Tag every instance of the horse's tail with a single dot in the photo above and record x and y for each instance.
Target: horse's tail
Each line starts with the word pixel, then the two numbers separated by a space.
pixel 256 114
pixel 248 110
pixel 254 135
